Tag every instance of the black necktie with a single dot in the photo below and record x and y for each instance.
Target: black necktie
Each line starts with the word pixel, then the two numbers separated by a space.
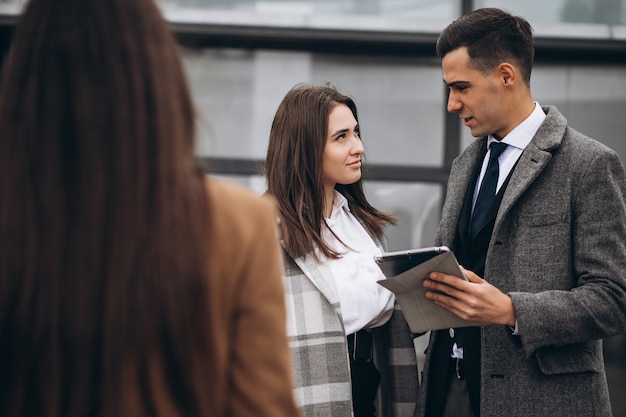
pixel 487 188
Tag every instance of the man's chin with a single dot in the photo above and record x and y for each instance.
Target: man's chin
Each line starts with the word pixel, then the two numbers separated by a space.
pixel 477 133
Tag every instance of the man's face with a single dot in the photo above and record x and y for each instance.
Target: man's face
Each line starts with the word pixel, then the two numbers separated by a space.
pixel 477 97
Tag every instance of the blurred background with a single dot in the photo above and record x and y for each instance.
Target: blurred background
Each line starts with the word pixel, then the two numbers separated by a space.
pixel 242 56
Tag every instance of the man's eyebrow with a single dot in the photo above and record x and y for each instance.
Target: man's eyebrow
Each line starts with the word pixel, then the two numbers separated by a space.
pixel 455 83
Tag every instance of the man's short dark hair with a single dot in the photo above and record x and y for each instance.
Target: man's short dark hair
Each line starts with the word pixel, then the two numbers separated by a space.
pixel 492 36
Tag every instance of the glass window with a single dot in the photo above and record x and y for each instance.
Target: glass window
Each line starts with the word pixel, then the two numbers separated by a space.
pixel 11 7
pixel 416 205
pixel 400 100
pixel 357 7
pixel 405 15
pixel 563 11
pixel 592 99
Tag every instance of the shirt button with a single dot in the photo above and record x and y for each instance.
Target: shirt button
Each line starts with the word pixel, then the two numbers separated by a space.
pixel 451 333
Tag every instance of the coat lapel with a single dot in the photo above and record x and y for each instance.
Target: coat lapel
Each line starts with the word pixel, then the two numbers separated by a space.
pixel 462 183
pixel 534 159
pixel 319 274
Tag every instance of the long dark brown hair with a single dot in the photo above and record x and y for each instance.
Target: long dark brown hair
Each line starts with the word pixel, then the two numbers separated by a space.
pixel 103 217
pixel 293 169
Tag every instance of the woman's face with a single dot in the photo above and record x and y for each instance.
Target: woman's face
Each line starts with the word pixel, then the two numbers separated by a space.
pixel 342 153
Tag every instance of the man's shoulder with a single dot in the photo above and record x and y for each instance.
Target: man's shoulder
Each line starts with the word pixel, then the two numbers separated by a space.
pixel 572 139
pixel 584 145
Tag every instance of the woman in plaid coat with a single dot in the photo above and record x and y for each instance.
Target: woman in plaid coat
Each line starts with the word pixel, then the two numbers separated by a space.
pixel 352 351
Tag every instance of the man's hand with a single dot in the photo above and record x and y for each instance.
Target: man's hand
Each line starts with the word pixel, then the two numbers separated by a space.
pixel 476 301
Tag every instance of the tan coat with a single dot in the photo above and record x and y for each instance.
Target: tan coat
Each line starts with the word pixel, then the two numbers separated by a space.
pixel 253 375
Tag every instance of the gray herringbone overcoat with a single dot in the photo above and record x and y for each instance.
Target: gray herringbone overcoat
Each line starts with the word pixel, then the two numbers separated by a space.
pixel 558 248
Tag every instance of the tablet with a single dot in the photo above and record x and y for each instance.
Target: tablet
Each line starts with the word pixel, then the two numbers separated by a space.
pixel 406 272
pixel 394 263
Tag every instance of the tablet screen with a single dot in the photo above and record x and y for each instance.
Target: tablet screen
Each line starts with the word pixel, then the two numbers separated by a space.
pixel 394 263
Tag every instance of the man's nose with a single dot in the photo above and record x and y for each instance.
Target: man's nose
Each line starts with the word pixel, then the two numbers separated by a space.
pixel 454 105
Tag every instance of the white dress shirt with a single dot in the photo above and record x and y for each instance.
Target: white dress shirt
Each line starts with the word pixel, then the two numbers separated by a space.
pixel 364 303
pixel 517 140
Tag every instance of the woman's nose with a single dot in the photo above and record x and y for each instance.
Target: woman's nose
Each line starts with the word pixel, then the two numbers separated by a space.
pixel 358 145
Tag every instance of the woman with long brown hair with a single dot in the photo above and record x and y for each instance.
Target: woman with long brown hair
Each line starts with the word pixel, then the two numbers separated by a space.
pixel 341 324
pixel 130 285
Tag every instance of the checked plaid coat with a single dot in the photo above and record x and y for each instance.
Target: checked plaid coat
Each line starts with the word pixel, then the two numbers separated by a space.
pixel 319 350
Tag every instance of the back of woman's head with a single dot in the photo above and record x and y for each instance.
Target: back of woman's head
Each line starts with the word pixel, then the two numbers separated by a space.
pixel 102 213
pixel 293 169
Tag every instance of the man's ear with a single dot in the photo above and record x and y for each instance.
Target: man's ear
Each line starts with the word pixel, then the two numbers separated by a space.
pixel 508 73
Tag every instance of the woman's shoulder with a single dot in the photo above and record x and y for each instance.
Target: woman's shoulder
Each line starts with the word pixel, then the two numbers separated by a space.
pixel 239 210
pixel 234 197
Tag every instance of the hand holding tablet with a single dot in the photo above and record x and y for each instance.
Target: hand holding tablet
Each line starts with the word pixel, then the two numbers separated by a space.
pixel 406 271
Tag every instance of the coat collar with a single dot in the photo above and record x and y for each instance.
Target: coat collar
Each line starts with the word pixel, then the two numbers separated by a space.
pixel 535 157
pixel 320 275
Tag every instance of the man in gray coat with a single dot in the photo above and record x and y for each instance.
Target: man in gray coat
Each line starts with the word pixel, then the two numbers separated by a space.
pixel 545 257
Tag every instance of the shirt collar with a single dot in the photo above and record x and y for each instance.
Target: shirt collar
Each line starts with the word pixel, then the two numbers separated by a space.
pixel 523 133
pixel 339 202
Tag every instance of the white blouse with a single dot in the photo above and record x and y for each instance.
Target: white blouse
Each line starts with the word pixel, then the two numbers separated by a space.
pixel 364 303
